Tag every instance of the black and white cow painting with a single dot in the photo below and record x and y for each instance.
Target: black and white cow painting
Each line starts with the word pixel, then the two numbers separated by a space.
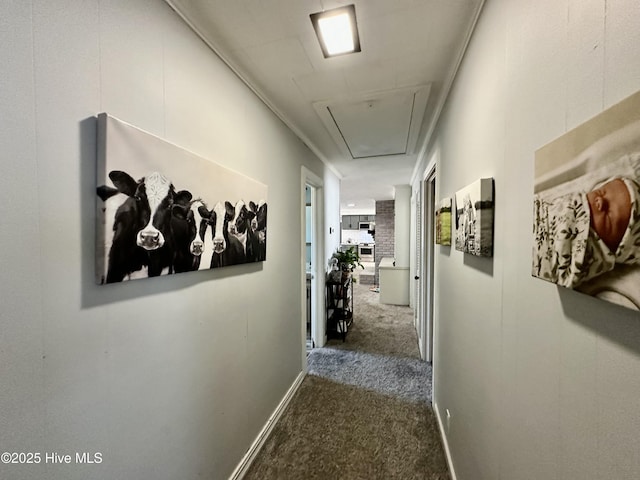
pixel 141 225
pixel 227 248
pixel 250 224
pixel 153 203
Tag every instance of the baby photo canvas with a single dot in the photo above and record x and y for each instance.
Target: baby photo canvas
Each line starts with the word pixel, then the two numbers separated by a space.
pixel 586 207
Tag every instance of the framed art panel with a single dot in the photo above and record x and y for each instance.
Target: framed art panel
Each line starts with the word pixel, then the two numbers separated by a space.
pixel 443 222
pixel 164 210
pixel 586 219
pixel 474 218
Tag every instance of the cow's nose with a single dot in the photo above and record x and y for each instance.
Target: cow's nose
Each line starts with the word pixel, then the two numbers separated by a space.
pixel 197 247
pixel 218 245
pixel 150 240
pixel 232 229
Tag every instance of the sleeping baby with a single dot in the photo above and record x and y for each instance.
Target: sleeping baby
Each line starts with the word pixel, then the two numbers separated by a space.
pixel 579 236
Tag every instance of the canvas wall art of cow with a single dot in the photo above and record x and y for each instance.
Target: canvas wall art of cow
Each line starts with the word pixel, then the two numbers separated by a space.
pixel 163 210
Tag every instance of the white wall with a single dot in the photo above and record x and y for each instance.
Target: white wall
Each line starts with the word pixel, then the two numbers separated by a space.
pixel 359 210
pixel 331 189
pixel 541 382
pixel 171 377
pixel 402 224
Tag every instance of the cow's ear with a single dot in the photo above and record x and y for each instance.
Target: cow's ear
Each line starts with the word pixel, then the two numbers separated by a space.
pixel 123 182
pixel 253 206
pixel 183 197
pixel 204 213
pixel 180 211
pixel 105 192
pixel 231 210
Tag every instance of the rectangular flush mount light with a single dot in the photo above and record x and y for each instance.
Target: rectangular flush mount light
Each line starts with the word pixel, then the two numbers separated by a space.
pixel 337 31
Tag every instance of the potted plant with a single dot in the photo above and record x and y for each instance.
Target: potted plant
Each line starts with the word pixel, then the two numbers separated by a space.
pixel 348 260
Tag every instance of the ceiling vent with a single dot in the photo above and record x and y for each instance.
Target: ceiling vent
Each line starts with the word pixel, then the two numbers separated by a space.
pixel 376 124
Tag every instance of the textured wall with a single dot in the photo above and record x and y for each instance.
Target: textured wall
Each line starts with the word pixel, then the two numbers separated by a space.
pixel 540 382
pixel 170 377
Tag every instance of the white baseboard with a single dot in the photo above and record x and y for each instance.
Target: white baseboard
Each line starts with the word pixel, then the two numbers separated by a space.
pixel 445 442
pixel 257 444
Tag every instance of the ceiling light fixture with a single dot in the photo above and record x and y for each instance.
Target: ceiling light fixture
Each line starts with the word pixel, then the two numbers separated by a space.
pixel 337 31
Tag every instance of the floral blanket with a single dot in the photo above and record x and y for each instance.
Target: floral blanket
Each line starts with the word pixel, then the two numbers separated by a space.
pixel 565 250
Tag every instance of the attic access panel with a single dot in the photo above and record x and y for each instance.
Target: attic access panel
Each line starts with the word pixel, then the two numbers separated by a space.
pixel 376 124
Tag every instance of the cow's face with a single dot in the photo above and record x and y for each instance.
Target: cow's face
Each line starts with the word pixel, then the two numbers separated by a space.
pixel 207 218
pixel 135 212
pixel 222 216
pixel 245 219
pixel 234 223
pixel 183 222
pixel 260 211
pixel 200 216
pixel 155 196
pixel 261 216
pixel 219 220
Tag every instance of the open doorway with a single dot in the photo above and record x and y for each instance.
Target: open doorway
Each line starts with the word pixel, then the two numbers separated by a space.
pixel 309 263
pixel 313 329
pixel 429 253
pixel 425 200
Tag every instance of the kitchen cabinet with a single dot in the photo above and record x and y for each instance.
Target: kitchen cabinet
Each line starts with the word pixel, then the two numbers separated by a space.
pixel 352 222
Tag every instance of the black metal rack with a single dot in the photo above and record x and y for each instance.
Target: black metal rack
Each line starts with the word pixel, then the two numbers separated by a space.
pixel 339 307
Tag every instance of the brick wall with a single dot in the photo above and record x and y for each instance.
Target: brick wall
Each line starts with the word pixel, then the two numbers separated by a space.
pixel 385 232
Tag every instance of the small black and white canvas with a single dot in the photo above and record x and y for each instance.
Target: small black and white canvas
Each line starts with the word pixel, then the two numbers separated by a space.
pixel 163 210
pixel 474 218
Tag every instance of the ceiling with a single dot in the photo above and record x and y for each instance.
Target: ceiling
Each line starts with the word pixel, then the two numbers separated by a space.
pixel 368 115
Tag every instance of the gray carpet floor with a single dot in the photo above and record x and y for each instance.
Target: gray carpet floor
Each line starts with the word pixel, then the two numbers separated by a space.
pixel 363 411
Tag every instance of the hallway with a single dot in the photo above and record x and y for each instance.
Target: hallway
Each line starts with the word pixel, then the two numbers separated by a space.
pixel 363 410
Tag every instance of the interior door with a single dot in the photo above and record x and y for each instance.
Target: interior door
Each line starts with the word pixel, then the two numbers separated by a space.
pixel 418 288
pixel 429 188
pixel 309 265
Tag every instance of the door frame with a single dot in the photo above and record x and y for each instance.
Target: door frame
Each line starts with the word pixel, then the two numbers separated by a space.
pixel 428 188
pixel 318 333
pixel 418 291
